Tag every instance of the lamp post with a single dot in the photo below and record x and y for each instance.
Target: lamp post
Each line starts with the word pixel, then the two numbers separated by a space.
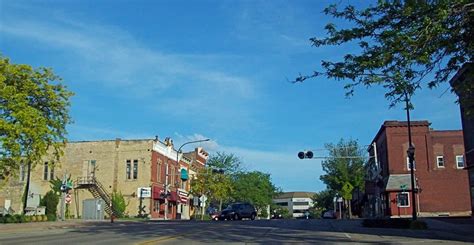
pixel 167 174
pixel 411 159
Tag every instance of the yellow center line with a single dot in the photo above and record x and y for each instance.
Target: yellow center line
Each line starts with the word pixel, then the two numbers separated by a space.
pixel 157 240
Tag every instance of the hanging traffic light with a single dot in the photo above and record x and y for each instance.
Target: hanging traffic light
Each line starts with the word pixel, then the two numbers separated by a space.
pixel 305 154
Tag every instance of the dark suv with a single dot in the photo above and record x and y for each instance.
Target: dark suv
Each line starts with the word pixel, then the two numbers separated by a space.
pixel 237 211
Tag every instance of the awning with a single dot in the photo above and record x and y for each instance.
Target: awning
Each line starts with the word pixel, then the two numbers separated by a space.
pixel 157 192
pixel 173 197
pixel 398 182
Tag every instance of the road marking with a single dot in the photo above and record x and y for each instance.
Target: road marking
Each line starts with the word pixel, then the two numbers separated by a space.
pixel 156 241
pixel 347 235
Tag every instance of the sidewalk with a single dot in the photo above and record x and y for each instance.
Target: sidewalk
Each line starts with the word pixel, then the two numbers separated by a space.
pixel 32 226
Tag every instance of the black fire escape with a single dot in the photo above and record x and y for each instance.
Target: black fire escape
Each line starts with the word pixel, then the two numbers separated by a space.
pixel 97 190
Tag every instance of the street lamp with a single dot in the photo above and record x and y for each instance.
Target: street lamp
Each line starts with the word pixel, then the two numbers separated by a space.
pixel 411 158
pixel 166 179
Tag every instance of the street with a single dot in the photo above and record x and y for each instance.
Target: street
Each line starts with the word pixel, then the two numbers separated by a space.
pixel 237 232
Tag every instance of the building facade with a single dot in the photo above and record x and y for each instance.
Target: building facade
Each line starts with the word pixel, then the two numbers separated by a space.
pixel 297 203
pixel 463 85
pixel 100 168
pixel 439 159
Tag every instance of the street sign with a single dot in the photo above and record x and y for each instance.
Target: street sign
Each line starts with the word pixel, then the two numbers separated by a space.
pixel 403 187
pixel 203 199
pixel 339 199
pixel 68 199
pixel 144 192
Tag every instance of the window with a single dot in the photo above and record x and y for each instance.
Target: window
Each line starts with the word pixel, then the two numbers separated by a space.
pixel 282 204
pixel 51 172
pixel 23 173
pixel 460 161
pixel 45 171
pixel 300 203
pixel 408 163
pixel 440 161
pixel 403 200
pixel 172 175
pixel 135 169
pixel 128 169
pixel 158 171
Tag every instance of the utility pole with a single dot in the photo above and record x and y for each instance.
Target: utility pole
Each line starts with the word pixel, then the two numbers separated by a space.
pixel 411 159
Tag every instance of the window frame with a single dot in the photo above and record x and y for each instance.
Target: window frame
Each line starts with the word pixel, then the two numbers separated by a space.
pixel 128 169
pixel 408 200
pixel 457 161
pixel 438 161
pixel 45 171
pixel 135 169
pixel 408 164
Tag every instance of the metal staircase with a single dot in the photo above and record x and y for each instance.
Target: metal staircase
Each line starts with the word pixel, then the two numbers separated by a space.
pixel 97 190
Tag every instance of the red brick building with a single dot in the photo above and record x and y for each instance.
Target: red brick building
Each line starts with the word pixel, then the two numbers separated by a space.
pixel 463 85
pixel 439 171
pixel 179 199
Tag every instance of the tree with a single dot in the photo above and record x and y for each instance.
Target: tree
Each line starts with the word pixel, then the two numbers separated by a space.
pixel 229 163
pixel 404 43
pixel 216 186
pixel 118 203
pixel 254 187
pixel 34 106
pixel 324 199
pixel 344 169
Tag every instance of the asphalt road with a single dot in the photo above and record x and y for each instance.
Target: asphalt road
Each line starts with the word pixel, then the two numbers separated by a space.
pixel 224 232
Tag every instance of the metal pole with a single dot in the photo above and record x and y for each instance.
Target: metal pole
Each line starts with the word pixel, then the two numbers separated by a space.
pixel 166 190
pixel 411 159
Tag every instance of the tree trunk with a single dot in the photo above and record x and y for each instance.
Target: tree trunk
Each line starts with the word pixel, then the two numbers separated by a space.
pixel 220 204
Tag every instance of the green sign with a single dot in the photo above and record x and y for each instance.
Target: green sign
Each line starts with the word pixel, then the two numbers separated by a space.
pixel 403 187
pixel 184 174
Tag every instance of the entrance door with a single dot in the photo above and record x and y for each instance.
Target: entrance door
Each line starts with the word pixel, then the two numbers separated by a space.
pixel 88 169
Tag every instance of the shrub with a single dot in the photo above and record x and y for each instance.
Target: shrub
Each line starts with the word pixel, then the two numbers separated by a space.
pixel 50 201
pixel 27 218
pixel 44 218
pixel 118 204
pixel 9 219
pixel 51 217
pixel 33 218
pixel 19 218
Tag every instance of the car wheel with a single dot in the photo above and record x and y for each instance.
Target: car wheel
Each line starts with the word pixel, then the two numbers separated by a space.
pixel 252 217
pixel 236 217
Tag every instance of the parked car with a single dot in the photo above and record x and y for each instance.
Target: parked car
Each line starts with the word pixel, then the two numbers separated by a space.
pixel 238 211
pixel 329 214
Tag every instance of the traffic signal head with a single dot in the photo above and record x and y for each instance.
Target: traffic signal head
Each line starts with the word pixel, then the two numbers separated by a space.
pixel 218 171
pixel 305 154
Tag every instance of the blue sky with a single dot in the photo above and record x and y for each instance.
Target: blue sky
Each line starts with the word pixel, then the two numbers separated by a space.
pixel 207 69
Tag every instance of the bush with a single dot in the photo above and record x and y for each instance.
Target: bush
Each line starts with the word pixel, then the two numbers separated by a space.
pixel 394 223
pixel 51 217
pixel 118 204
pixel 27 218
pixel 33 218
pixel 44 218
pixel 19 218
pixel 50 201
